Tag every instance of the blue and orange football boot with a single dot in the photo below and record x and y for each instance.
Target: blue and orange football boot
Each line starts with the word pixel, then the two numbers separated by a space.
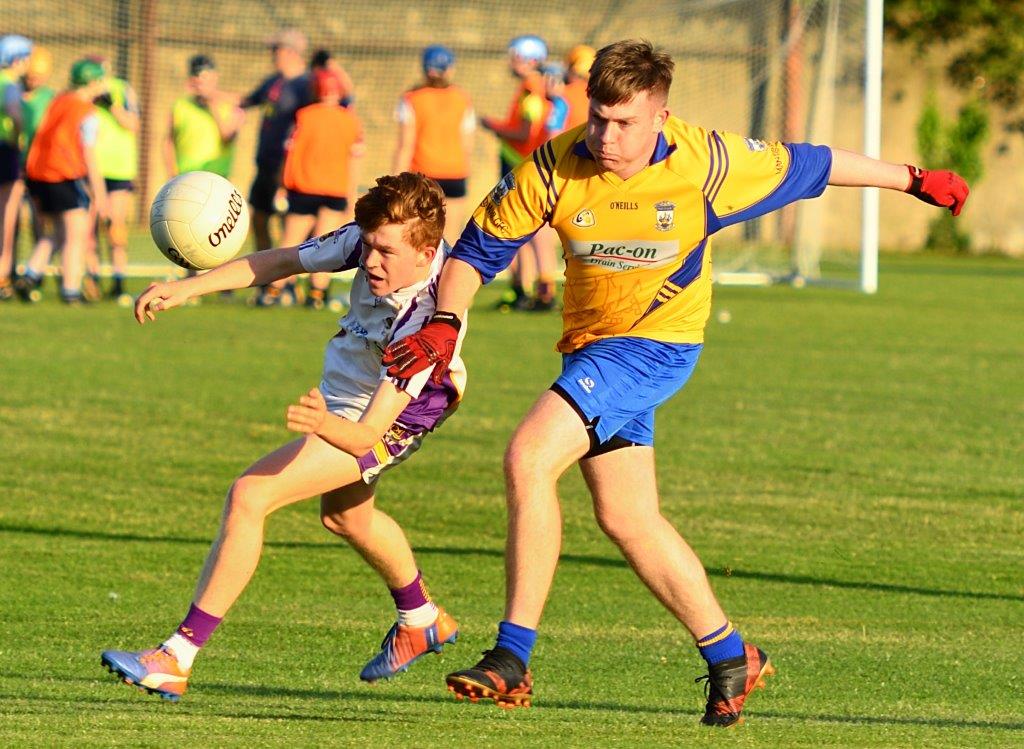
pixel 155 671
pixel 500 676
pixel 403 646
pixel 729 683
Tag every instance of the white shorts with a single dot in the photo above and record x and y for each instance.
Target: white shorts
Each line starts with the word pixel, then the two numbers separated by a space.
pixel 396 446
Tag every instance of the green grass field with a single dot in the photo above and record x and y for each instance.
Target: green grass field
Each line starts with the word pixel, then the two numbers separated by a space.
pixel 849 468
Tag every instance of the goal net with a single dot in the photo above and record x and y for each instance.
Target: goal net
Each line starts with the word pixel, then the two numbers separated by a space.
pixel 768 69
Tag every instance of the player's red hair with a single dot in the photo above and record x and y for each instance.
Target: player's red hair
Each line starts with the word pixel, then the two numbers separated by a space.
pixel 624 69
pixel 398 198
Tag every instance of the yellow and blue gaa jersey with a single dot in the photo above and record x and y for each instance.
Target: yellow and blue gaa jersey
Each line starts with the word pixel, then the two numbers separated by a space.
pixel 637 255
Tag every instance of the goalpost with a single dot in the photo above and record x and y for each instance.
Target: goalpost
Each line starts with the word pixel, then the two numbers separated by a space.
pixel 833 68
pixel 793 70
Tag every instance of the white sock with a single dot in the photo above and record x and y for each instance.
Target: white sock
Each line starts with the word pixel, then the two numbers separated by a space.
pixel 183 650
pixel 421 616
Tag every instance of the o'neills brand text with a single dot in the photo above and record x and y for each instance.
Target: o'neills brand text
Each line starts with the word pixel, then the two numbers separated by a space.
pixel 235 205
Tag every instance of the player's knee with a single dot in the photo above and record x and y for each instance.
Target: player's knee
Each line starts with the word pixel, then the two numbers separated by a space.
pixel 347 525
pixel 119 232
pixel 622 527
pixel 249 495
pixel 525 460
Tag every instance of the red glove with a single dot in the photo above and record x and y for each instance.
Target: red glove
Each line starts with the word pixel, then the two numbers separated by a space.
pixel 433 344
pixel 939 187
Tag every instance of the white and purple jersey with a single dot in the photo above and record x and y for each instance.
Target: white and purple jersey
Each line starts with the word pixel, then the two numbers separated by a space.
pixel 352 368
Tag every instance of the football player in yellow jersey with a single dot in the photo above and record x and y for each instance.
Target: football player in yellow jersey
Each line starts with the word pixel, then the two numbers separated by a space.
pixel 635 195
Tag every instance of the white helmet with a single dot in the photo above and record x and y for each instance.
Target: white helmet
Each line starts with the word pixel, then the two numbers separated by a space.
pixel 529 47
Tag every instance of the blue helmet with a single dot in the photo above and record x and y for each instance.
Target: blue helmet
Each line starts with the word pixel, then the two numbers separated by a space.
pixel 436 57
pixel 529 47
pixel 13 48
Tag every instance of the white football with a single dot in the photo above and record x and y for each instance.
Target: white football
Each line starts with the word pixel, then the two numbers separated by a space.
pixel 199 220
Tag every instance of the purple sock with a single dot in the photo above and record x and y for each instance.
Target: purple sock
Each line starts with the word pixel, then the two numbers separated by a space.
pixel 411 596
pixel 198 626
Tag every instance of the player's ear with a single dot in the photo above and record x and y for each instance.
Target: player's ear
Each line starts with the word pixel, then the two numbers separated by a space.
pixel 425 255
pixel 660 117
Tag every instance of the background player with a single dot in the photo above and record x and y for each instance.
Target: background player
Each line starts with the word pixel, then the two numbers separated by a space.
pixel 64 178
pixel 14 56
pixel 34 103
pixel 323 59
pixel 356 425
pixel 554 92
pixel 577 64
pixel 280 95
pixel 117 154
pixel 204 123
pixel 523 130
pixel 436 125
pixel 634 195
pixel 321 172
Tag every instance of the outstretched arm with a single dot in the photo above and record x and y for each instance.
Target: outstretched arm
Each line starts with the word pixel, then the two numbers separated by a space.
pixel 257 269
pixel 938 187
pixel 851 169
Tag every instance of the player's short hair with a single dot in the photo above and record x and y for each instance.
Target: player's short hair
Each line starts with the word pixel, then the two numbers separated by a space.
pixel 624 69
pixel 397 198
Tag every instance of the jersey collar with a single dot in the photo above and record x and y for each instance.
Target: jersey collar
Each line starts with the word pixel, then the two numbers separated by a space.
pixel 662 150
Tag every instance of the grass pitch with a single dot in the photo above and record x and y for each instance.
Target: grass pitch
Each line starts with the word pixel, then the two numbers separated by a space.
pixel 848 467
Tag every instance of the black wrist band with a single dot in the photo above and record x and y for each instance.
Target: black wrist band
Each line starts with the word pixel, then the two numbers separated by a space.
pixel 916 180
pixel 448 318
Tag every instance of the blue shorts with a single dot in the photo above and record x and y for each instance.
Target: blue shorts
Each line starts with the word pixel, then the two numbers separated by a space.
pixel 615 384
pixel 10 163
pixel 114 185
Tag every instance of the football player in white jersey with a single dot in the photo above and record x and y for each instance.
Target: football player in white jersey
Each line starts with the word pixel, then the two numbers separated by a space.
pixel 356 424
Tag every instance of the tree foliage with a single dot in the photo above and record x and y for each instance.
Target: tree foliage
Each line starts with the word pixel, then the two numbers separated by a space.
pixel 958 146
pixel 985 37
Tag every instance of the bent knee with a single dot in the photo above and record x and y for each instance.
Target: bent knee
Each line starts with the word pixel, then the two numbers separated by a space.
pixel 623 528
pixel 249 495
pixel 347 525
pixel 527 460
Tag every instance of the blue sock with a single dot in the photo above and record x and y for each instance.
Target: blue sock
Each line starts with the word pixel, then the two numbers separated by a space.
pixel 516 639
pixel 722 644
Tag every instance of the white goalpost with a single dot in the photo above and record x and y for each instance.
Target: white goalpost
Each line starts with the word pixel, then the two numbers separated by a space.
pixel 872 144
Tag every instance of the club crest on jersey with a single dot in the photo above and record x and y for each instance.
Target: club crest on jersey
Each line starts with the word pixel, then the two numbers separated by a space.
pixel 503 188
pixel 666 215
pixel 755 145
pixel 584 219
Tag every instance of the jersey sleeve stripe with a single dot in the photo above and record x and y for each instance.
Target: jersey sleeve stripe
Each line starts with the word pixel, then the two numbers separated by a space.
pixel 723 161
pixel 712 164
pixel 544 159
pixel 548 155
pixel 543 170
pixel 550 150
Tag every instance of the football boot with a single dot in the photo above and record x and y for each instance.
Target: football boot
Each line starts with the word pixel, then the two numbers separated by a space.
pixel 500 676
pixel 728 684
pixel 155 671
pixel 404 645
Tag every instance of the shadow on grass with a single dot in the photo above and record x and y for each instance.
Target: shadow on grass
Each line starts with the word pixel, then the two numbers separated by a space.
pixel 378 695
pixel 887 720
pixel 957 266
pixel 582 559
pixel 374 694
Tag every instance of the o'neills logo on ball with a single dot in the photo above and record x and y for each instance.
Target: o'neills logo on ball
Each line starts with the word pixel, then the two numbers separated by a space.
pixel 235 206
